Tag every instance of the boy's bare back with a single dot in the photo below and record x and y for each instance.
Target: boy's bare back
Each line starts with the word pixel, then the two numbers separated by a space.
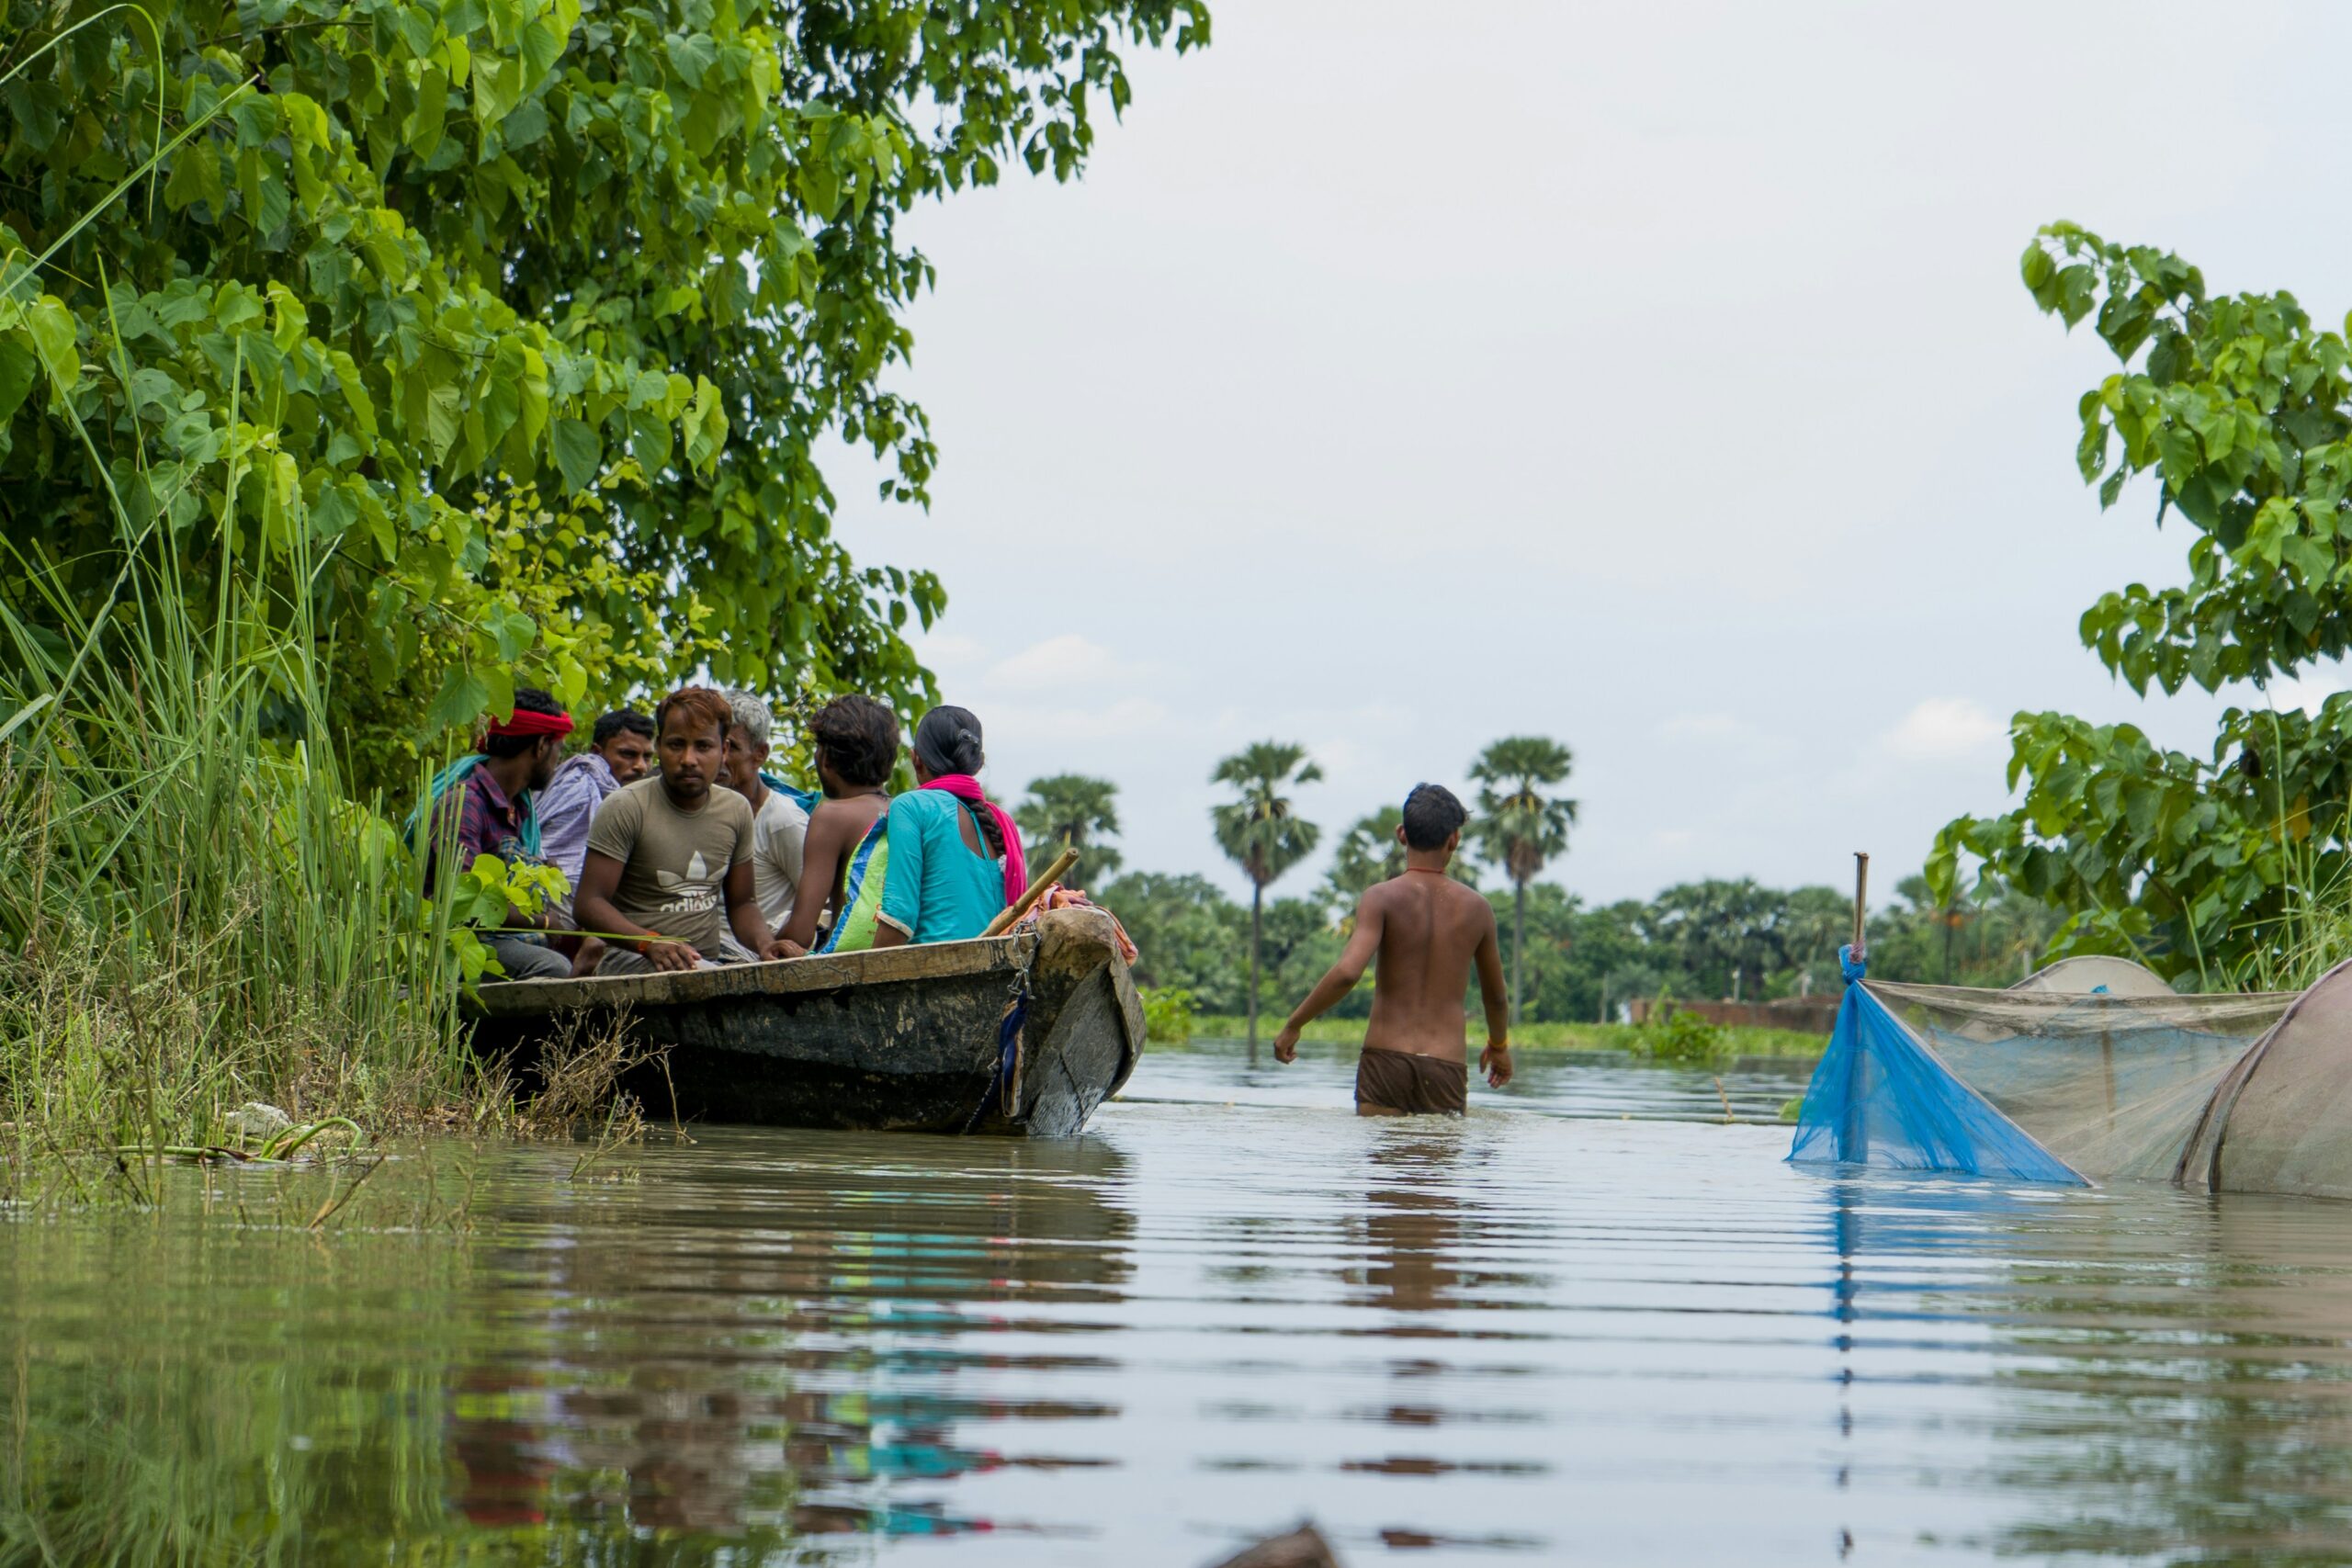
pixel 1429 931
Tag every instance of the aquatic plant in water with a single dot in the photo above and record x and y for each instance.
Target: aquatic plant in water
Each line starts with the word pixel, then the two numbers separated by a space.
pixel 1168 1014
pixel 1681 1036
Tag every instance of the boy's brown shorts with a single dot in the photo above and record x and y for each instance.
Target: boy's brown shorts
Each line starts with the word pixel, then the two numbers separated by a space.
pixel 1411 1084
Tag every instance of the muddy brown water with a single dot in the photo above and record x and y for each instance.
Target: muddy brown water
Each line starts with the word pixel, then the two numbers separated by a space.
pixel 1590 1323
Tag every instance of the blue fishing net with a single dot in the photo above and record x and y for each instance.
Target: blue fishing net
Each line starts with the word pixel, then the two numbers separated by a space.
pixel 1881 1097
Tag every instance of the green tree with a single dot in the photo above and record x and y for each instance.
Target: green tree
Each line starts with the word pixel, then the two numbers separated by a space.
pixel 2240 409
pixel 1188 935
pixel 1366 854
pixel 1301 942
pixel 1559 954
pixel 1813 922
pixel 1720 927
pixel 1520 828
pixel 1989 935
pixel 399 259
pixel 1580 960
pixel 1074 811
pixel 1260 833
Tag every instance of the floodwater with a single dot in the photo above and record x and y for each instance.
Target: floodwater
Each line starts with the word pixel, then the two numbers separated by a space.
pixel 1592 1322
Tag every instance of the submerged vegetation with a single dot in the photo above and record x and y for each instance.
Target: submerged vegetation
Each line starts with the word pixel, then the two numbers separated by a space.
pixel 1168 1015
pixel 1681 1038
pixel 203 918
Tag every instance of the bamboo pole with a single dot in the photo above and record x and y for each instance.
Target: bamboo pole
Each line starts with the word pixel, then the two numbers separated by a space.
pixel 1037 885
pixel 1862 895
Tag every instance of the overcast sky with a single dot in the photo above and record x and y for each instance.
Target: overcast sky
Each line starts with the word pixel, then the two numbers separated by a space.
pixel 1654 377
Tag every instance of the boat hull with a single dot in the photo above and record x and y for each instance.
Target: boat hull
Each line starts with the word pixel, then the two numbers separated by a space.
pixel 900 1039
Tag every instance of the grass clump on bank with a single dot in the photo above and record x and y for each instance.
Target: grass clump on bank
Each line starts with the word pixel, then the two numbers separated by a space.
pixel 197 913
pixel 1732 1042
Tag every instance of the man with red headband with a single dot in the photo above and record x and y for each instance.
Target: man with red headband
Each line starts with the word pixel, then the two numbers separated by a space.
pixel 486 805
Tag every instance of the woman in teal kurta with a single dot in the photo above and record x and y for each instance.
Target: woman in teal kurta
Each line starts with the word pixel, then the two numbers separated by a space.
pixel 955 854
pixel 939 888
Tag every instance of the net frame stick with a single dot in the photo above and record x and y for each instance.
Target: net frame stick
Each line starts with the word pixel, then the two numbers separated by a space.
pixel 1862 895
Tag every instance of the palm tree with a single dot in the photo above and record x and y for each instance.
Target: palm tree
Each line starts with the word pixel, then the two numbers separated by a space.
pixel 1260 833
pixel 1367 854
pixel 1074 811
pixel 1518 826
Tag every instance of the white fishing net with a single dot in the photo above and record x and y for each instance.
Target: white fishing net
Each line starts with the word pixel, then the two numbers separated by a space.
pixel 2095 973
pixel 2112 1084
pixel 2281 1121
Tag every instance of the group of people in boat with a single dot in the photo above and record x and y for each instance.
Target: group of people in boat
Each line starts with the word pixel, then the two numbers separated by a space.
pixel 679 848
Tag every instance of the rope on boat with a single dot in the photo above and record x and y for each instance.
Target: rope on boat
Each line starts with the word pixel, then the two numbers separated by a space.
pixel 1004 1084
pixel 1010 1053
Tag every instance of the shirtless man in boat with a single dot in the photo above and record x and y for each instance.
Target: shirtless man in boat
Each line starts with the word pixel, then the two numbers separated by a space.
pixel 1429 931
pixel 856 743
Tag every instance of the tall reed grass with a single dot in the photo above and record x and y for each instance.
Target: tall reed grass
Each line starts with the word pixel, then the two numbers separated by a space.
pixel 2313 931
pixel 194 910
pixel 196 915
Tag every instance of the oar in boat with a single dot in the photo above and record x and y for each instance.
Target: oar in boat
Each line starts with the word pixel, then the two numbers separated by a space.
pixel 1037 885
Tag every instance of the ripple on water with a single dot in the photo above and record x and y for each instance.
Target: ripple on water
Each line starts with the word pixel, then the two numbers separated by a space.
pixel 1591 1322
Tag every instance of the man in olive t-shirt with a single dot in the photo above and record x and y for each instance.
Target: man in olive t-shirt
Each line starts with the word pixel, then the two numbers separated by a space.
pixel 669 866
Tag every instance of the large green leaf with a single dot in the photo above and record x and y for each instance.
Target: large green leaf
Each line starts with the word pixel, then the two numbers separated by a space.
pixel 464 696
pixel 55 332
pixel 576 453
pixel 17 369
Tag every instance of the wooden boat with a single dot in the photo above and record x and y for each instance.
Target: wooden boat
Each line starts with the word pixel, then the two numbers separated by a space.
pixel 902 1038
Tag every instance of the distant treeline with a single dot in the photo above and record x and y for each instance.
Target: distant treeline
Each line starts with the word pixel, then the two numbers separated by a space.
pixel 1697 940
pixel 1582 959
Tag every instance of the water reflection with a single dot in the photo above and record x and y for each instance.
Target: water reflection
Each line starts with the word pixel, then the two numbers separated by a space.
pixel 1412 1225
pixel 1559 1329
pixel 2134 1373
pixel 749 1281
pixel 2191 1384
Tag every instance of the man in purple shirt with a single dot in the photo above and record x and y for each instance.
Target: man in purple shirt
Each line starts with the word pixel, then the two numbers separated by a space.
pixel 620 750
pixel 490 811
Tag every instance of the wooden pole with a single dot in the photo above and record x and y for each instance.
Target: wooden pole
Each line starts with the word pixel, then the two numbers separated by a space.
pixel 1037 885
pixel 1861 895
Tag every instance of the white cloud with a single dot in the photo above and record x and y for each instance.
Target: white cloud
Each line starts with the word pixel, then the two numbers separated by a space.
pixel 1943 730
pixel 948 650
pixel 1342 758
pixel 1062 724
pixel 1062 662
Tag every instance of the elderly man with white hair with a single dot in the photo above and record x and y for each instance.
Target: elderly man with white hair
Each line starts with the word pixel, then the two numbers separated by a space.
pixel 779 823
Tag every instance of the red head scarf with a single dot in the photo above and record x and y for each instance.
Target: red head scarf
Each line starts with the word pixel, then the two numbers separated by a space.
pixel 524 722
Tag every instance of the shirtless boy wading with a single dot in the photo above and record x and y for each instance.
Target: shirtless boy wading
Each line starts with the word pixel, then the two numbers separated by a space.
pixel 1429 931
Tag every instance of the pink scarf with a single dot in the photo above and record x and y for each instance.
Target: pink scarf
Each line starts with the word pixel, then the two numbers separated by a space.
pixel 964 787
